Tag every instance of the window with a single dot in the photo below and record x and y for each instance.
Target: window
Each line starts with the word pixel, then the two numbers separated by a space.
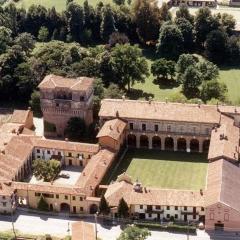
pixel 59 153
pixel 176 216
pixel 57 196
pixel 168 208
pixel 156 128
pixel 144 127
pixel 169 128
pixel 168 215
pixel 57 104
pixel 4 204
pixel 81 209
pixel 226 217
pixel 48 195
pixel 66 197
pixel 150 215
pixel 37 194
pixel 81 98
pixel 202 208
pixel 48 151
pixel 194 216
pixel 69 154
pixel 141 206
pixel 38 150
pixel 158 207
pixel 176 208
pixel 185 208
pixel 73 198
pixel 149 207
pixel 131 126
pixel 3 197
pixel 211 216
pixel 81 199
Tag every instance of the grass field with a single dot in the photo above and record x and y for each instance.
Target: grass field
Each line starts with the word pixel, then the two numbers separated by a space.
pixel 165 169
pixel 58 4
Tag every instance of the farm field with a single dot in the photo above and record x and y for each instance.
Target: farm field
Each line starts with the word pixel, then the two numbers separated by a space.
pixel 171 170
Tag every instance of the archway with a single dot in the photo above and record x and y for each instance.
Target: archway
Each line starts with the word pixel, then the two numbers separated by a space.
pixel 169 144
pixel 194 145
pixel 132 140
pixel 156 142
pixel 181 144
pixel 144 141
pixel 65 207
pixel 93 209
pixel 206 144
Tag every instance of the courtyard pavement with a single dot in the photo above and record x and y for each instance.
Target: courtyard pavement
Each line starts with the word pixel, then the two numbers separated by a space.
pixel 60 226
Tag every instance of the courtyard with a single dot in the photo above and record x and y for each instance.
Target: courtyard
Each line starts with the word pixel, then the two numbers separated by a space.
pixel 163 169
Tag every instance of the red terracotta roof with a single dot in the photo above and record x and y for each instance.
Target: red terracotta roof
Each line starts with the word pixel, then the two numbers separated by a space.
pixel 83 231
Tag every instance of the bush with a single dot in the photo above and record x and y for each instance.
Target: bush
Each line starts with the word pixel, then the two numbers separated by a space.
pixel 42 204
pixel 49 127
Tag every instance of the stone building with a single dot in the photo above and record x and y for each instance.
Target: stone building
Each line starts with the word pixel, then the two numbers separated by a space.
pixel 62 98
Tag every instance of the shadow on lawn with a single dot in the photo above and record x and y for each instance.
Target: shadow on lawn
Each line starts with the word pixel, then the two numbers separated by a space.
pixel 166 83
pixel 135 94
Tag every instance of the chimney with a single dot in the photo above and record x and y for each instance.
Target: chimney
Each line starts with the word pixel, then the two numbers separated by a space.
pixel 199 103
pixel 123 97
pixel 201 192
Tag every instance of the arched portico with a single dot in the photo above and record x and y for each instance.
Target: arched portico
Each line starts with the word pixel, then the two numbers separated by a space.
pixel 181 144
pixel 65 207
pixel 169 143
pixel 93 208
pixel 194 145
pixel 156 142
pixel 144 143
pixel 132 140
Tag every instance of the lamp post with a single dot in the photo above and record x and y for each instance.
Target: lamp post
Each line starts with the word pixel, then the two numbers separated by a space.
pixel 96 231
pixel 68 229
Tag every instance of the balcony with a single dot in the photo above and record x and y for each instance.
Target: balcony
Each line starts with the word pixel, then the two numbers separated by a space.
pixel 169 132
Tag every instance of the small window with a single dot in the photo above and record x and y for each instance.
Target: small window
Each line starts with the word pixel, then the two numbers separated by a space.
pixel 144 127
pixel 141 206
pixel 194 216
pixel 169 128
pixel 185 208
pixel 168 208
pixel 176 216
pixel 37 194
pixel 3 197
pixel 158 207
pixel 38 150
pixel 48 151
pixel 73 198
pixel 82 99
pixel 131 126
pixel 81 209
pixel 211 216
pixel 57 104
pixel 81 199
pixel 57 196
pixel 226 217
pixel 66 197
pixel 150 215
pixel 4 204
pixel 202 208
pixel 59 153
pixel 69 154
pixel 168 215
pixel 176 208
pixel 156 128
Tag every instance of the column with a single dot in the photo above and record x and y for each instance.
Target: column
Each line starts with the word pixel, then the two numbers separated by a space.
pixel 138 141
pixel 162 144
pixel 175 144
pixel 188 145
pixel 200 146
pixel 150 142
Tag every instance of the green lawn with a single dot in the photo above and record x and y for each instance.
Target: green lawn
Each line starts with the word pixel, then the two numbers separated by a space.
pixel 173 170
pixel 59 4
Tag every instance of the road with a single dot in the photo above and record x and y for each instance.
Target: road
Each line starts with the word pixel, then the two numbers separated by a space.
pixel 58 226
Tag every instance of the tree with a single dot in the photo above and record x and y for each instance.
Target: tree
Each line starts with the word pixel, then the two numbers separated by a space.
pixel 119 2
pixel 35 103
pixel 119 38
pixel 208 70
pixel 5 39
pixel 113 91
pixel 204 24
pixel 123 208
pixel 170 42
pixel 164 13
pixel 146 17
pixel 186 29
pixel 183 12
pixel 43 34
pixel 108 23
pixel 191 81
pixel 42 204
pixel 233 50
pixel 213 89
pixel 46 169
pixel 76 129
pixel 134 233
pixel 216 46
pixel 162 68
pixel 26 41
pixel 227 23
pixel 128 65
pixel 103 206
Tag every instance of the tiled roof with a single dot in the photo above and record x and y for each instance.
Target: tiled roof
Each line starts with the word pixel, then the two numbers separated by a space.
pixel 95 170
pixel 112 128
pixel 83 231
pixel 224 140
pixel 12 127
pixel 152 196
pixel 6 188
pixel 132 109
pixel 223 184
pixel 54 81
pixel 19 116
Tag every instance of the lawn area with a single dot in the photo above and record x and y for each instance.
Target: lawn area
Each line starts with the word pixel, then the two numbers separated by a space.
pixel 58 4
pixel 173 170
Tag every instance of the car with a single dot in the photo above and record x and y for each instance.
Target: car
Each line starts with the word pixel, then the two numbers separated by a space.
pixel 64 175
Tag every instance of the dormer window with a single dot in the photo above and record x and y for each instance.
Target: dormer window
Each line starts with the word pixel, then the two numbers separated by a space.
pixel 82 99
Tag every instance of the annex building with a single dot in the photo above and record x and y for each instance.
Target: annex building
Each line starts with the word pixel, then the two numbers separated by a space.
pixel 163 126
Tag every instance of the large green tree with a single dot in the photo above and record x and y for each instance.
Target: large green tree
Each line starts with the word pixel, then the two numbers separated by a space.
pixel 123 209
pixel 128 65
pixel 103 206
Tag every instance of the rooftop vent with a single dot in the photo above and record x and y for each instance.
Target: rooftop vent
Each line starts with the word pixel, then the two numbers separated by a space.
pixel 123 97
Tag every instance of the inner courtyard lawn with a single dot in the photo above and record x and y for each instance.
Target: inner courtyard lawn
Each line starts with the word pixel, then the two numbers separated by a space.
pixel 162 169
